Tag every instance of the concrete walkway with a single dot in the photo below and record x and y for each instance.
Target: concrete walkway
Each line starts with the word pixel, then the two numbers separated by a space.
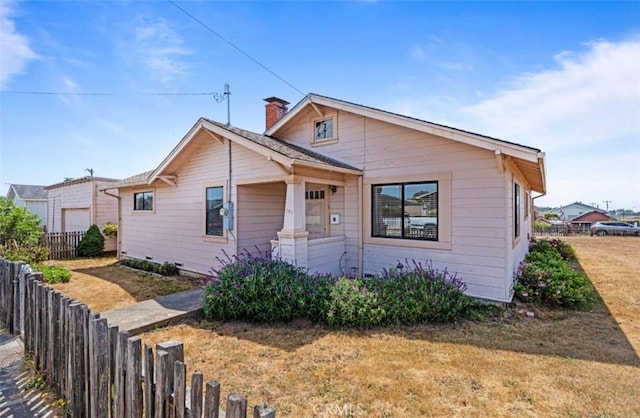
pixel 15 401
pixel 149 314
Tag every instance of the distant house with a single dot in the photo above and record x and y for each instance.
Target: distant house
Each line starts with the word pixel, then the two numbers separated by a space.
pixel 574 210
pixel 328 186
pixel 33 198
pixel 76 204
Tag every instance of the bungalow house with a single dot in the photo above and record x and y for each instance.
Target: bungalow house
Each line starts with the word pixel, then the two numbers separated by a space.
pixel 341 188
pixel 32 198
pixel 75 204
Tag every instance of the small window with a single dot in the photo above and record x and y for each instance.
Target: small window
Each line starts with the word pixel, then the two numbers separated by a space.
pixel 143 201
pixel 213 217
pixel 516 210
pixel 405 210
pixel 324 130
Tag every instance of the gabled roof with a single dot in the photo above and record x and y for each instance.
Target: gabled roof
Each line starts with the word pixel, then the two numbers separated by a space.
pixel 529 160
pixel 80 180
pixel 136 180
pixel 287 155
pixel 27 192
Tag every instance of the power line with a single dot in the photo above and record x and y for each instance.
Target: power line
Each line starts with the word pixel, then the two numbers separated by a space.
pixel 61 93
pixel 246 54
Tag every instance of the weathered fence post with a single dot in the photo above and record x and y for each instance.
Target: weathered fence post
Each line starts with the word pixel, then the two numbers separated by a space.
pixel 236 406
pixel 197 380
pixel 99 352
pixel 121 372
pixel 175 352
pixel 179 388
pixel 149 385
pixel 8 298
pixel 212 400
pixel 162 383
pixel 113 342
pixel 263 411
pixel 134 377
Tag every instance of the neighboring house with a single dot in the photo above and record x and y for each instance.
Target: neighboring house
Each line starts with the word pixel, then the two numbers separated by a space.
pixel 33 198
pixel 328 187
pixel 76 204
pixel 576 209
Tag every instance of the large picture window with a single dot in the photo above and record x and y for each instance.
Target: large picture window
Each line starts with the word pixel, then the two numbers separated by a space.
pixel 213 217
pixel 405 210
pixel 143 201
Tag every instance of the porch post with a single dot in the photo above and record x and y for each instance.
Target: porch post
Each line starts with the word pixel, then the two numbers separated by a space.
pixel 292 238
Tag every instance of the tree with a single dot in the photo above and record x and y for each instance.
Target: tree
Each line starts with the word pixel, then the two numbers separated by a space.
pixel 20 233
pixel 18 225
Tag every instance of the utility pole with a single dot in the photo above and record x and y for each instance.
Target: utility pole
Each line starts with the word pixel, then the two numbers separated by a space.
pixel 606 202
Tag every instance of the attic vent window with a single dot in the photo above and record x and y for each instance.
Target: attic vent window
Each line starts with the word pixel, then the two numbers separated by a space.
pixel 324 129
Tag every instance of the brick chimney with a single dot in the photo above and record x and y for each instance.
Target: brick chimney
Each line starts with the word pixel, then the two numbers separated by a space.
pixel 275 109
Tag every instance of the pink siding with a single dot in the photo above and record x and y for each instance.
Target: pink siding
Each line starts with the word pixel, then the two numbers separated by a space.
pixel 174 231
pixel 260 215
pixel 480 248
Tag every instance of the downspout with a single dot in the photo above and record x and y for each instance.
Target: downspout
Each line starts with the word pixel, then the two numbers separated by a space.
pixel 119 240
pixel 360 224
pixel 94 215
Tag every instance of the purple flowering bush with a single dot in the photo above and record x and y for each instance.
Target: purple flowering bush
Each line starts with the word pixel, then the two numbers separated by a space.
pixel 261 289
pixel 546 276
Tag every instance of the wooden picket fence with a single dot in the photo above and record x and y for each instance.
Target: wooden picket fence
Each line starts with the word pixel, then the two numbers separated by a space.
pixel 62 245
pixel 99 370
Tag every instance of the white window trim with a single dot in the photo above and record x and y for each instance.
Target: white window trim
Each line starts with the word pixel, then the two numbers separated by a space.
pixel 142 211
pixel 212 238
pixel 333 139
pixel 444 242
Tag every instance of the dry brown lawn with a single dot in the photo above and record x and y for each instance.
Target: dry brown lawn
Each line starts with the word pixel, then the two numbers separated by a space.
pixel 102 285
pixel 556 364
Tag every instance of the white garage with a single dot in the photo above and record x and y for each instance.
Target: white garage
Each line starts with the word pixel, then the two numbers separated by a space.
pixel 76 219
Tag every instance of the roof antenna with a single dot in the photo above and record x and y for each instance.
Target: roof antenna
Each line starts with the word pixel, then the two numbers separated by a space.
pixel 90 171
pixel 221 97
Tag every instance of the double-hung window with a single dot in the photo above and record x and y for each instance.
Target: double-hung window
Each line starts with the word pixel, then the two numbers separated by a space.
pixel 214 197
pixel 143 201
pixel 405 210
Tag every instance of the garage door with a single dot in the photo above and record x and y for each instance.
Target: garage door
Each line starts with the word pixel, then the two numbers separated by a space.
pixel 75 219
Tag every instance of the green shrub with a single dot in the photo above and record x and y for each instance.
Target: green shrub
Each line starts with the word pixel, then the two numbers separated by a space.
pixel 54 274
pixel 164 269
pixel 92 244
pixel 31 254
pixel 110 230
pixel 545 276
pixel 352 304
pixel 421 293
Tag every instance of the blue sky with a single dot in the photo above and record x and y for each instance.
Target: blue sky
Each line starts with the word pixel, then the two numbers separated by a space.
pixel 562 77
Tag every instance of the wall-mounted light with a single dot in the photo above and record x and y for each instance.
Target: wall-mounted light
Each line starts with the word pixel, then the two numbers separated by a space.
pixel 333 189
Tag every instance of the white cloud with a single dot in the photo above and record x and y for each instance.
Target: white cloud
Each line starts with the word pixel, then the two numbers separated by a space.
pixel 592 97
pixel 159 48
pixel 15 52
pixel 585 114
